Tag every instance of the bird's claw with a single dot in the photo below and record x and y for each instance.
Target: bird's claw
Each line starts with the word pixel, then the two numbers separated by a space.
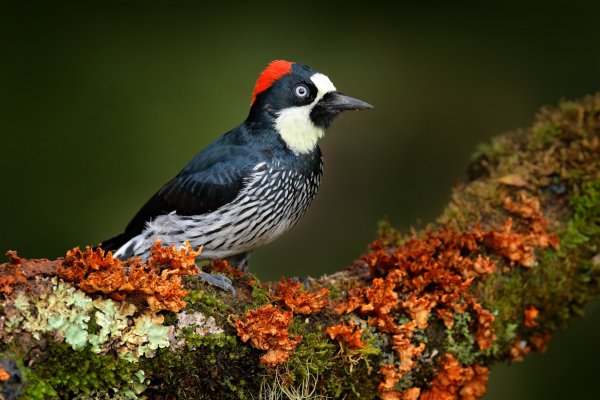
pixel 220 281
pixel 304 280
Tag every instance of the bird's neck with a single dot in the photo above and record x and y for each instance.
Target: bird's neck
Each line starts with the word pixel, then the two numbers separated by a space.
pixel 297 130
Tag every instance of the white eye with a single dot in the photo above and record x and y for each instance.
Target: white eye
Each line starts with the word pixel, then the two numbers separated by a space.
pixel 301 91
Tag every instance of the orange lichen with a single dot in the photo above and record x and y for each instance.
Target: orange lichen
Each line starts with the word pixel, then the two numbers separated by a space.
pixel 20 274
pixel 11 274
pixel 418 308
pixel 430 277
pixel 353 301
pixel 485 334
pixel 346 334
pixel 447 317
pixel 540 342
pixel 274 357
pixel 4 376
pixel 181 261
pixel 418 277
pixel 435 273
pixel 387 387
pixel 290 294
pixel 267 328
pixel 516 246
pixel 377 301
pixel 401 344
pixel 519 350
pixel 511 245
pixel 9 279
pixel 158 281
pixel 454 382
pixel 527 207
pixel 529 317
pixel 410 394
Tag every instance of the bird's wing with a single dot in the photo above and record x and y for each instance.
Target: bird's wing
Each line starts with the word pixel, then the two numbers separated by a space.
pixel 212 179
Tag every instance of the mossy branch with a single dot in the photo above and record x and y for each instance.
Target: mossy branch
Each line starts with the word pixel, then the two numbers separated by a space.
pixel 422 315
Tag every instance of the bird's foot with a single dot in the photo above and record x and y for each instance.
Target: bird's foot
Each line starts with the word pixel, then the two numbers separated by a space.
pixel 220 281
pixel 304 280
pixel 240 261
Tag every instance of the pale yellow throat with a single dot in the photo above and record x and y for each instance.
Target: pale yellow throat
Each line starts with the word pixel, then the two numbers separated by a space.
pixel 294 125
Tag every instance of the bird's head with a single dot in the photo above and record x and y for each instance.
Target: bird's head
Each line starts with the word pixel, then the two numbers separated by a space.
pixel 300 103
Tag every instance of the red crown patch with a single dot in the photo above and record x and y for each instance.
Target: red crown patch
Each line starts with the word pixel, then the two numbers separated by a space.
pixel 275 70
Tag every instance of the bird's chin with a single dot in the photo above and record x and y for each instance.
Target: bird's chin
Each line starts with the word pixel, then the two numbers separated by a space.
pixel 323 117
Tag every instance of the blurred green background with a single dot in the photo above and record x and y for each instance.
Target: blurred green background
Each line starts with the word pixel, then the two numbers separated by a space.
pixel 99 106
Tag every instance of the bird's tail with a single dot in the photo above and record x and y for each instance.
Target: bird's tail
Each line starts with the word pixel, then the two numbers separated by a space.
pixel 115 243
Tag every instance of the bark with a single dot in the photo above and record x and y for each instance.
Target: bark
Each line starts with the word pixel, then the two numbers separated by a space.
pixel 423 314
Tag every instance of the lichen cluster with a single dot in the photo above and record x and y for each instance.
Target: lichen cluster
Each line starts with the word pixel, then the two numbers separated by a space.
pixel 64 320
pixel 426 281
pixel 158 280
pixel 98 341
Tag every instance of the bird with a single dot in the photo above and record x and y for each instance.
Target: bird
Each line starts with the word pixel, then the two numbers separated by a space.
pixel 253 183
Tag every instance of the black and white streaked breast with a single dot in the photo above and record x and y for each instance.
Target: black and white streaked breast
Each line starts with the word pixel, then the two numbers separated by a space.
pixel 273 199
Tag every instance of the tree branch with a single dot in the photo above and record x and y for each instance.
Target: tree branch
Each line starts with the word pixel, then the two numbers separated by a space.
pixel 421 315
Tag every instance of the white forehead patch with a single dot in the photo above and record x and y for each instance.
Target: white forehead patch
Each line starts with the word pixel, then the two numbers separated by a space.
pixel 294 123
pixel 323 85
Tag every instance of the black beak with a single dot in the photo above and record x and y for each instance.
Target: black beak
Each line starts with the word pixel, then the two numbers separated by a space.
pixel 336 102
pixel 331 105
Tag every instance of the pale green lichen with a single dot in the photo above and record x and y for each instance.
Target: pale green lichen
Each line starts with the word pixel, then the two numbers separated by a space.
pixel 112 319
pixel 460 341
pixel 68 314
pixel 130 337
pixel 64 312
pixel 147 335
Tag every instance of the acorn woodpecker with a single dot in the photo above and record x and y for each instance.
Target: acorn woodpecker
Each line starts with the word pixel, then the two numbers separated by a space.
pixel 253 183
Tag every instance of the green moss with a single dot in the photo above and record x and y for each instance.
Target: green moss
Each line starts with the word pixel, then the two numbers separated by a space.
pixel 195 296
pixel 389 235
pixel 194 340
pixel 170 318
pixel 66 373
pixel 335 294
pixel 202 301
pixel 338 372
pixel 260 296
pixel 477 199
pixel 492 150
pixel 504 295
pixel 314 354
pixel 543 133
pixel 211 367
pixel 566 279
pixel 36 387
pixel 570 109
pixel 558 286
pixel 584 224
pixel 208 304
